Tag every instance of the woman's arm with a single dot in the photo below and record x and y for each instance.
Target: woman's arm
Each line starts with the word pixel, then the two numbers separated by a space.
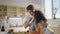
pixel 45 24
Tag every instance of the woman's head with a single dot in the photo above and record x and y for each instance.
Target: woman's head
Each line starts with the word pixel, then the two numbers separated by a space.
pixel 39 16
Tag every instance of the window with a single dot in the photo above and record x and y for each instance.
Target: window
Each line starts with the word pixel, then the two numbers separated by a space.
pixel 48 9
pixel 52 8
pixel 56 7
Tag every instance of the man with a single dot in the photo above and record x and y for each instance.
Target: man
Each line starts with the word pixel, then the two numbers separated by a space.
pixel 28 15
pixel 28 20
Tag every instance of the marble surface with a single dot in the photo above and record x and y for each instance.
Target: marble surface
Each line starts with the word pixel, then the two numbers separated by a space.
pixel 18 29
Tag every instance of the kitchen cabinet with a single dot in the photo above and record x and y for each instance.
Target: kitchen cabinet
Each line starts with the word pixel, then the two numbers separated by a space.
pixel 3 11
pixel 12 11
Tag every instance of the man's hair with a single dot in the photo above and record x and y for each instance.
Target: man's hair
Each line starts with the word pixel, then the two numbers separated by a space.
pixel 30 7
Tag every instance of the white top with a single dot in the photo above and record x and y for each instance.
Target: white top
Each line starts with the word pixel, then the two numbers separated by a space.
pixel 26 18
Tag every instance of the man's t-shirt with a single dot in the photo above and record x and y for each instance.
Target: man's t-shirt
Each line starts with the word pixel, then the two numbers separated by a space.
pixel 26 18
pixel 31 23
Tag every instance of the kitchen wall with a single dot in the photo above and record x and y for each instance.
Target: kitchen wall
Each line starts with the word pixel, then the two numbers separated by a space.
pixel 18 3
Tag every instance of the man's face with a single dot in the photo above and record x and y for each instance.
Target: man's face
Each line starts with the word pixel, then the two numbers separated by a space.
pixel 31 12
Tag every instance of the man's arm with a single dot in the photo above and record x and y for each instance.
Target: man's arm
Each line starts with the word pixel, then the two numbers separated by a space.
pixel 26 24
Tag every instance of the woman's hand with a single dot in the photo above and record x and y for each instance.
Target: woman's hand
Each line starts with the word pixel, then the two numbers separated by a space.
pixel 45 24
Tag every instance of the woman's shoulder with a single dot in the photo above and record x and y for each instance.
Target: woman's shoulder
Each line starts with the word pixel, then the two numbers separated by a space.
pixel 41 21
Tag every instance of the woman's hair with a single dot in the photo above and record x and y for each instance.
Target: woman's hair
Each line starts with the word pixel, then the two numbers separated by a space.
pixel 39 16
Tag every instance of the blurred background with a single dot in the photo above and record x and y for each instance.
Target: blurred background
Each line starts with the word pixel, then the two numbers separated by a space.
pixel 12 13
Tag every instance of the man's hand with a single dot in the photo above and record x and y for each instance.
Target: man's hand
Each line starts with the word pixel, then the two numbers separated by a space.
pixel 26 24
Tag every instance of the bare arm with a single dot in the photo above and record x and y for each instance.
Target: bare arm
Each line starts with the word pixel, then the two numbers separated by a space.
pixel 26 24
pixel 45 24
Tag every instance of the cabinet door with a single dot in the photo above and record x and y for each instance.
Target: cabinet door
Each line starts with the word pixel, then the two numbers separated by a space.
pixel 11 11
pixel 3 11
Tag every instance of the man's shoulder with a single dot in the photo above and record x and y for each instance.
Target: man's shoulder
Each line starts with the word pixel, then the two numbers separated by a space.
pixel 27 14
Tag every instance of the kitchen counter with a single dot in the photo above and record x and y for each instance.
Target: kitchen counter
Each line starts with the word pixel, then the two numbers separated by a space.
pixel 18 29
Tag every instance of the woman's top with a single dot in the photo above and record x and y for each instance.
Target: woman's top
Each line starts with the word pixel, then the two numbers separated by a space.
pixel 39 28
pixel 43 27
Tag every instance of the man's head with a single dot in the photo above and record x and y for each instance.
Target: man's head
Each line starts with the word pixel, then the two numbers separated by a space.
pixel 30 9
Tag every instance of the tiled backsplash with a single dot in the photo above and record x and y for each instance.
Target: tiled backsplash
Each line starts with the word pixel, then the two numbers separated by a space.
pixel 12 22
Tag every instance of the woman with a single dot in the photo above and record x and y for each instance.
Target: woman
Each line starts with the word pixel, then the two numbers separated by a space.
pixel 42 20
pixel 36 27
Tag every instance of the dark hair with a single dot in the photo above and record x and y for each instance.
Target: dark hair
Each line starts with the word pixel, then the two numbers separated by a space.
pixel 30 7
pixel 39 16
